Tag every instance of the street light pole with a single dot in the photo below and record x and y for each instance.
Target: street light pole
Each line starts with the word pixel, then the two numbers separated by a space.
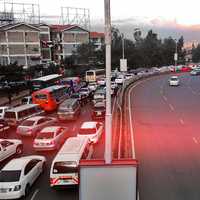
pixel 176 54
pixel 108 118
pixel 122 45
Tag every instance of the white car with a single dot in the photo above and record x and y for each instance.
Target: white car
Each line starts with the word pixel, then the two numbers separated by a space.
pixel 27 100
pixel 101 81
pixel 85 91
pixel 19 174
pixel 32 125
pixel 93 130
pixel 128 76
pixel 92 86
pixel 3 110
pixel 120 79
pixel 9 148
pixel 174 81
pixel 50 138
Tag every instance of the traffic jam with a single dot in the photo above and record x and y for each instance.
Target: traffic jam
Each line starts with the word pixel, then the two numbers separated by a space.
pixel 45 116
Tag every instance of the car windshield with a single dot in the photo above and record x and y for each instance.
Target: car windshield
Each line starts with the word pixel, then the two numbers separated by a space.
pixel 27 123
pixel 41 96
pixel 75 96
pixel 87 131
pixel 174 79
pixel 10 176
pixel 99 108
pixel 84 90
pixel 45 135
pixel 65 167
pixel 1 110
pixel 24 100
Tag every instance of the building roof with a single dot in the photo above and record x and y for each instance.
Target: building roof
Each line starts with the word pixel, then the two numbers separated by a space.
pixel 11 26
pixel 59 28
pixel 96 35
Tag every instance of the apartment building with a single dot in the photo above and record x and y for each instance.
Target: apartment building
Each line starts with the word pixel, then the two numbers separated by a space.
pixel 46 44
pixel 20 43
pixel 66 39
pixel 98 39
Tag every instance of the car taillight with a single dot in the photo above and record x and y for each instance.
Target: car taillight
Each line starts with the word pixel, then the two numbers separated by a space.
pixel 35 143
pixel 51 143
pixel 53 181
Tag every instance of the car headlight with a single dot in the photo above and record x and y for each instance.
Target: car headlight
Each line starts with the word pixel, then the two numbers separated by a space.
pixel 17 188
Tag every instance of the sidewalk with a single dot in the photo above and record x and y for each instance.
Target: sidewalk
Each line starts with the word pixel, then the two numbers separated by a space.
pixel 16 99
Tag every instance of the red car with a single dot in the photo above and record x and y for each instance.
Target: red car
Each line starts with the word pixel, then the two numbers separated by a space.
pixel 185 69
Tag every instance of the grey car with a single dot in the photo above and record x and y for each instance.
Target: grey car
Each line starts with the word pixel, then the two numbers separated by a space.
pixel 32 125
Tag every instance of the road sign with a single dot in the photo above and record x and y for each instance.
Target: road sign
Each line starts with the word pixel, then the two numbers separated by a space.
pixel 175 56
pixel 123 65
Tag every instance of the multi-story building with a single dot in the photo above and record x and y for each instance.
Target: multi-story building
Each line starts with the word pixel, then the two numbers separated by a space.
pixel 97 39
pixel 20 43
pixel 34 44
pixel 66 39
pixel 46 44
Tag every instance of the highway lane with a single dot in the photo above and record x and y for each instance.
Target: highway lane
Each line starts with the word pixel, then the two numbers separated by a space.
pixel 167 138
pixel 41 189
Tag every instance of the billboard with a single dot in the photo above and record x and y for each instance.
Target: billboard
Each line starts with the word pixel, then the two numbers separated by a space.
pixel 123 65
pixel 114 181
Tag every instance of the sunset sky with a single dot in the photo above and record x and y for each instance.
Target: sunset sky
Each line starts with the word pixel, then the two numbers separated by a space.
pixel 184 12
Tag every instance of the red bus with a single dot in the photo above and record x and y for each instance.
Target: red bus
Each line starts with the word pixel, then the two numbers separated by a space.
pixel 49 98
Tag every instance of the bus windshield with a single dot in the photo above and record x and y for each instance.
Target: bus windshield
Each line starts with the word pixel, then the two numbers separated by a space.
pixel 65 167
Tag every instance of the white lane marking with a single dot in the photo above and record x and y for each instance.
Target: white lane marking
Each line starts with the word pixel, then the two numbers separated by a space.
pixel 195 140
pixel 114 102
pixel 182 122
pixel 34 194
pixel 165 98
pixel 120 131
pixel 171 107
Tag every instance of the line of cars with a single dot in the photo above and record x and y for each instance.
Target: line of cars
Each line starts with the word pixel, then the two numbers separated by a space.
pixel 19 174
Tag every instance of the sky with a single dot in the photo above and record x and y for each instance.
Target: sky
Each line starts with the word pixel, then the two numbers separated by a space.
pixel 184 12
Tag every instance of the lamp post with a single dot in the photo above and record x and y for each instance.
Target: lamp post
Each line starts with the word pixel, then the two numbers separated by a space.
pixel 122 46
pixel 176 54
pixel 108 118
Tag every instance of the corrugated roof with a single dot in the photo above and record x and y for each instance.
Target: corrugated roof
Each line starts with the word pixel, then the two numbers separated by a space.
pixel 96 35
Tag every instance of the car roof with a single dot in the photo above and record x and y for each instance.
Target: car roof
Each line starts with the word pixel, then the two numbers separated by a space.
pixel 174 77
pixel 19 163
pixel 22 107
pixel 36 118
pixel 50 129
pixel 89 124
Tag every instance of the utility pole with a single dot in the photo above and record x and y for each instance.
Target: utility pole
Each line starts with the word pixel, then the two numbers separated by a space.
pixel 108 118
pixel 122 46
pixel 176 54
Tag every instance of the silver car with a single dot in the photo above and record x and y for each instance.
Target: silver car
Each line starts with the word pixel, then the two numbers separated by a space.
pixel 50 138
pixel 31 126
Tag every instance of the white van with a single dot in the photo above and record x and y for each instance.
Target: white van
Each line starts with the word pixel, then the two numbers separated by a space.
pixel 64 168
pixel 15 116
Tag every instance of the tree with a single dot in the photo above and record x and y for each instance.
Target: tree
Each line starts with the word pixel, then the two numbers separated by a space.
pixel 196 54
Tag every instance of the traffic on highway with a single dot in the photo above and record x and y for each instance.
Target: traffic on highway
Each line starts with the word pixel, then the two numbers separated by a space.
pixel 43 140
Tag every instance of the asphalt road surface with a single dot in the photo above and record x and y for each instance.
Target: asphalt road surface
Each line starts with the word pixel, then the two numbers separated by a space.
pixel 167 138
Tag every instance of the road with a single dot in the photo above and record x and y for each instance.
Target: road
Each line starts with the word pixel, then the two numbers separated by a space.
pixel 41 189
pixel 167 138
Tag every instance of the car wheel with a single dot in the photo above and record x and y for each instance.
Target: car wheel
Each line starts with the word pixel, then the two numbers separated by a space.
pixel 27 189
pixel 19 150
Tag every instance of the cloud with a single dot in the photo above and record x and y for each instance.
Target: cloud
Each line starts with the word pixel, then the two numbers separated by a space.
pixel 163 27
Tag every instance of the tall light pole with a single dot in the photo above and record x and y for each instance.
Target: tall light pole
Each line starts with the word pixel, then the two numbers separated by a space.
pixel 108 118
pixel 176 54
pixel 122 45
